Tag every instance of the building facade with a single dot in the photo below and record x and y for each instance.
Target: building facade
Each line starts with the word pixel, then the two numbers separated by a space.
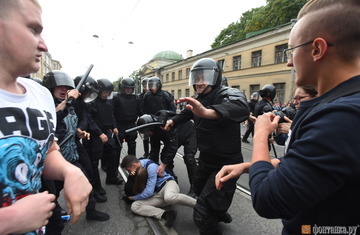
pixel 47 64
pixel 248 65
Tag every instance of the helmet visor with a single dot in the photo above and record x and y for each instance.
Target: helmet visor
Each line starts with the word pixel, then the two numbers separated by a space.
pixel 202 77
pixel 152 85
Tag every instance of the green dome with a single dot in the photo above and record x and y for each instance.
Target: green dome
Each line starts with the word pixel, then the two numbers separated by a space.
pixel 169 55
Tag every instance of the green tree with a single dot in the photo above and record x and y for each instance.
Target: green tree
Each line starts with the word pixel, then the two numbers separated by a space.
pixel 116 84
pixel 235 31
pixel 274 13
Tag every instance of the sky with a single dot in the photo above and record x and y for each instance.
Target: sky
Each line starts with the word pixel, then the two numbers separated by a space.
pixel 119 36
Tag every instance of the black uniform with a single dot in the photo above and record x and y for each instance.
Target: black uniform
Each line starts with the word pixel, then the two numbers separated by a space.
pixel 127 109
pixel 161 100
pixel 168 152
pixel 152 103
pixel 250 129
pixel 219 143
pixel 102 111
pixel 146 139
pixel 187 138
pixel 263 106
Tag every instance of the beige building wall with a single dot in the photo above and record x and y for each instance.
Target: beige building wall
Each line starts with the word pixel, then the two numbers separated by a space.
pixel 247 77
pixel 47 64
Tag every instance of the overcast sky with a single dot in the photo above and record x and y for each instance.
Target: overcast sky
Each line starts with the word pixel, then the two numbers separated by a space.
pixel 131 32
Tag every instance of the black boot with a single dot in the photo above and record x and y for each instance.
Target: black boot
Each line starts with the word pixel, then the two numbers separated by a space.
pixel 100 190
pixel 169 217
pixel 98 197
pixel 113 180
pixel 97 215
pixel 224 217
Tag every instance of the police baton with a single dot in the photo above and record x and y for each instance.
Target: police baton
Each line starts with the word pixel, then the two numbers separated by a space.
pixel 81 82
pixel 118 140
pixel 143 126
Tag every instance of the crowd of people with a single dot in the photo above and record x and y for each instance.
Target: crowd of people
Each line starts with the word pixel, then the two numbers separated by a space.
pixel 54 136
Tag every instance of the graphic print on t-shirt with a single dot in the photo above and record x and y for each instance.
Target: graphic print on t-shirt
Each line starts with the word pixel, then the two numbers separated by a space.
pixel 25 137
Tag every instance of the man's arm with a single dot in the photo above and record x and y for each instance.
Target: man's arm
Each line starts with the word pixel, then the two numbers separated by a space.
pixel 76 186
pixel 169 150
pixel 27 214
pixel 264 126
pixel 198 109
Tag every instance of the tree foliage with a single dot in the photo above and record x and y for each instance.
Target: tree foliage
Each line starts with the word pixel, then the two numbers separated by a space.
pixel 274 13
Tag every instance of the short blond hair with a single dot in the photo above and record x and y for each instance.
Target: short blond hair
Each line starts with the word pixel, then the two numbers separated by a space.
pixel 7 5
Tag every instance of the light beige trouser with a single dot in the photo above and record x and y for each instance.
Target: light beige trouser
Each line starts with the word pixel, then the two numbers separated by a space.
pixel 168 195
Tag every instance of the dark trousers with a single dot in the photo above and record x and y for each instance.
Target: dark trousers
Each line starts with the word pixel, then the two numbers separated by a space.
pixel 56 224
pixel 190 149
pixel 211 202
pixel 249 130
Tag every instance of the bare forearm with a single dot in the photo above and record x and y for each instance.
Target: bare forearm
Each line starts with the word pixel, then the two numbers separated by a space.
pixel 261 148
pixel 56 167
pixel 8 220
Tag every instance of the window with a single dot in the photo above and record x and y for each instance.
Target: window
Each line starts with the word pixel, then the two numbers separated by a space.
pixel 236 86
pixel 187 92
pixel 254 88
pixel 280 92
pixel 187 72
pixel 172 92
pixel 237 62
pixel 280 56
pixel 167 77
pixel 162 78
pixel 180 74
pixel 173 76
pixel 179 93
pixel 256 58
pixel 221 64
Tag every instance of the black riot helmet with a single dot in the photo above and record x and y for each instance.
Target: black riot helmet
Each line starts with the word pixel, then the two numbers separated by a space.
pixel 89 86
pixel 255 96
pixel 126 83
pixel 147 122
pixel 105 85
pixel 57 78
pixel 269 91
pixel 144 83
pixel 224 81
pixel 154 83
pixel 205 71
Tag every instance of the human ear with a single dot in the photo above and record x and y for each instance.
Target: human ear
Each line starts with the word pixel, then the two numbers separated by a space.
pixel 320 47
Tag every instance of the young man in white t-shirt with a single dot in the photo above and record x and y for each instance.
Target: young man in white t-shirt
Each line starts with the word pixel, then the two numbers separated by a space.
pixel 27 123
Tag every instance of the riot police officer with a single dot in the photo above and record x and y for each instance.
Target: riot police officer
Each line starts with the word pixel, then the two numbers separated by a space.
pixel 217 112
pixel 62 87
pixel 250 122
pixel 127 109
pixel 157 99
pixel 267 93
pixel 89 91
pixel 102 141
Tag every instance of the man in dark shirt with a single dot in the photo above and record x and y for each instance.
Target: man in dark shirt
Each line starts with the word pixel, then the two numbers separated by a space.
pixel 317 182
